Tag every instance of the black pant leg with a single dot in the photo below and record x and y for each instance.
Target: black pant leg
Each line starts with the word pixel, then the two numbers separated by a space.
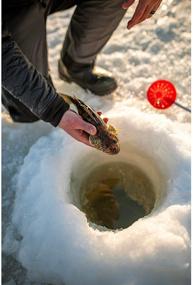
pixel 28 28
pixel 60 5
pixel 91 26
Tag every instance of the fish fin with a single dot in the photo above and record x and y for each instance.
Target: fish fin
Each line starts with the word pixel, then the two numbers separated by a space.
pixel 112 130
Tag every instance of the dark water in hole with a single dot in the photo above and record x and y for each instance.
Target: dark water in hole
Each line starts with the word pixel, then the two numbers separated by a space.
pixel 129 210
pixel 115 195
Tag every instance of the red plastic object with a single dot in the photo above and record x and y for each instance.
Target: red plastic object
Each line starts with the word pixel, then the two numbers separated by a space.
pixel 161 94
pixel 105 120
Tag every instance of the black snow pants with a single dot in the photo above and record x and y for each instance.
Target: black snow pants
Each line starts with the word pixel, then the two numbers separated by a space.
pixel 91 26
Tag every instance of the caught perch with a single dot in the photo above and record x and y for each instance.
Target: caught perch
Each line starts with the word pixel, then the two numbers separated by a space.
pixel 106 138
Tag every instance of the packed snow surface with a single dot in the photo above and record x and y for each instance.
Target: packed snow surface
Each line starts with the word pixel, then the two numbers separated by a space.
pixel 47 239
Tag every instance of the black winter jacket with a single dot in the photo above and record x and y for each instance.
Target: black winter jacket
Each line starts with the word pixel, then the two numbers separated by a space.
pixel 21 79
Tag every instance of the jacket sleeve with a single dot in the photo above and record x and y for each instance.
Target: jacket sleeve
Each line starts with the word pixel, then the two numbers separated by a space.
pixel 21 79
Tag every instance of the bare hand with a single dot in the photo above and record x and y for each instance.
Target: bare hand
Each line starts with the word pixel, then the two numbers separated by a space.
pixel 76 127
pixel 145 9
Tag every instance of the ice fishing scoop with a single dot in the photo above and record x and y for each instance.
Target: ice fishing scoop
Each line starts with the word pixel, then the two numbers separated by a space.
pixel 162 94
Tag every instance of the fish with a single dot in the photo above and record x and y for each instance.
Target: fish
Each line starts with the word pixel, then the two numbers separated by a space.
pixel 106 139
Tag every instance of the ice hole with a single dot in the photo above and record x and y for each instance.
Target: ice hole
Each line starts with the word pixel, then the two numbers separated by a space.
pixel 116 191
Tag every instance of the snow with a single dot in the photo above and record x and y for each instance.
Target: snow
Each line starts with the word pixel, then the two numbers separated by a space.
pixel 47 239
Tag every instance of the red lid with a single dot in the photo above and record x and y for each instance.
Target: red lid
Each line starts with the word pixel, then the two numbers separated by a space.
pixel 161 94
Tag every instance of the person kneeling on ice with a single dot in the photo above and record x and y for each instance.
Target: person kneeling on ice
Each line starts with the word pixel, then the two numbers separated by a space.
pixel 27 89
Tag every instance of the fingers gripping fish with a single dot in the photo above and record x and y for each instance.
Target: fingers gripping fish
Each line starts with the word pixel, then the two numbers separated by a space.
pixel 106 138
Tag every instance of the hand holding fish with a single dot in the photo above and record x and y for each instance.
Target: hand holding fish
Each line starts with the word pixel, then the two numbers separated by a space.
pixel 76 127
pixel 86 125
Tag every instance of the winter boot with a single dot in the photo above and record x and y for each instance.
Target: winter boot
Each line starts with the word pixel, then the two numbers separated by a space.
pixel 83 75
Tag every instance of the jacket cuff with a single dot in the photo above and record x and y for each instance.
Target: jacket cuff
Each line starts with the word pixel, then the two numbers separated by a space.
pixel 55 111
